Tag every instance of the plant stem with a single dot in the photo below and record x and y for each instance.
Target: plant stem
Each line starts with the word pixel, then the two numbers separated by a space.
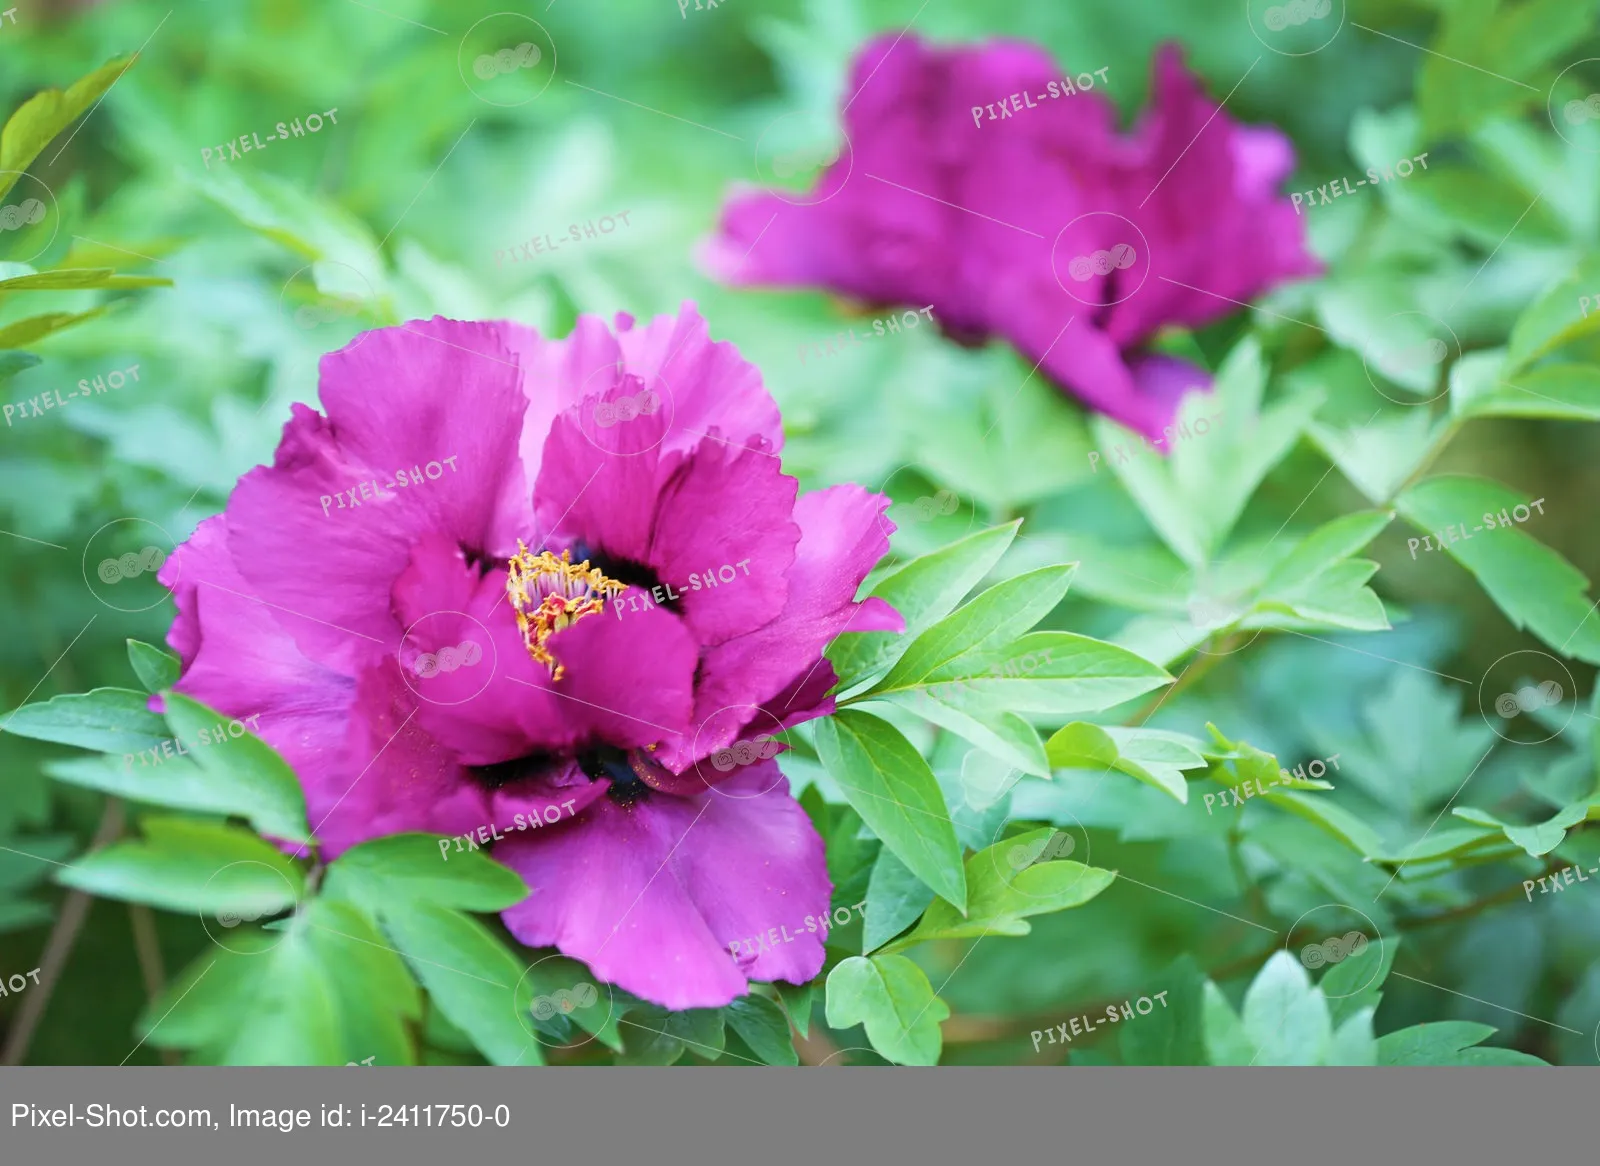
pixel 74 909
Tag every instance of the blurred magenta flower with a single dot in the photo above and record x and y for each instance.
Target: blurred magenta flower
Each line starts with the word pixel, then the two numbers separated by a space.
pixel 576 641
pixel 978 180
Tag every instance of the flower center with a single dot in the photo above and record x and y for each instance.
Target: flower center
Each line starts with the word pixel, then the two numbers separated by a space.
pixel 625 768
pixel 550 594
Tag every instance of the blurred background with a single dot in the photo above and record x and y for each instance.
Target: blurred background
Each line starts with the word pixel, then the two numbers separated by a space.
pixel 415 196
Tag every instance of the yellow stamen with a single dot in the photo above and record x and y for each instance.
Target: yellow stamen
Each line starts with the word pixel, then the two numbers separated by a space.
pixel 550 594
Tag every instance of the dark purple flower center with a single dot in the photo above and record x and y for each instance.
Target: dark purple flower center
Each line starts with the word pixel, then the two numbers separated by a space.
pixel 620 766
pixel 625 571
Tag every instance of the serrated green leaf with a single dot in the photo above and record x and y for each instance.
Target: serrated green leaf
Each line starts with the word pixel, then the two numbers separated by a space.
pixel 1353 985
pixel 892 997
pixel 1320 583
pixel 1195 495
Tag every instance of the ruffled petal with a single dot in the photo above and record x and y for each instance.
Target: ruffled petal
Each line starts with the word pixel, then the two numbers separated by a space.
pixel 660 897
pixel 842 537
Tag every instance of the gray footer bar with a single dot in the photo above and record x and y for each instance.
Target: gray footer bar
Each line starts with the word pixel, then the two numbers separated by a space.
pixel 83 1116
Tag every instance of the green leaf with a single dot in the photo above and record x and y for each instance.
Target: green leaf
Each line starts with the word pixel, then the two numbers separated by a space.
pixel 555 973
pixel 74 279
pixel 659 1037
pixel 11 363
pixel 1448 1042
pixel 1285 1016
pixel 177 867
pixel 410 868
pixel 1320 583
pixel 1534 586
pixel 1504 41
pixel 1227 1043
pixel 1352 986
pixel 1555 319
pixel 1353 1042
pixel 1056 673
pixel 762 1025
pixel 1153 756
pixel 891 996
pixel 895 898
pixel 469 975
pixel 798 1000
pixel 21 333
pixel 1565 392
pixel 156 669
pixel 1538 839
pixel 107 720
pixel 44 115
pixel 1006 883
pixel 269 793
pixel 314 228
pixel 1335 819
pixel 1174 1035
pixel 1378 456
pixel 998 732
pixel 1194 496
pixel 374 990
pixel 962 643
pixel 923 591
pixel 276 1005
pixel 175 783
pixel 890 785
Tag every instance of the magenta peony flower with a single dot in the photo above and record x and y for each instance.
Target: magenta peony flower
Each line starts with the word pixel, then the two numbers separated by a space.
pixel 980 181
pixel 557 594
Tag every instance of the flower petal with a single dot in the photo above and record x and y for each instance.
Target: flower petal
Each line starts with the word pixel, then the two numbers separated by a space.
pixel 659 896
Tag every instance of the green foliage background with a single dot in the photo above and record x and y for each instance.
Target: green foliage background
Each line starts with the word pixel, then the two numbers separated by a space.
pixel 1345 644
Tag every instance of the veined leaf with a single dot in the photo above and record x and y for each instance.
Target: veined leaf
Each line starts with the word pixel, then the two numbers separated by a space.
pixel 923 591
pixel 891 996
pixel 1534 586
pixel 1006 883
pixel 891 787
